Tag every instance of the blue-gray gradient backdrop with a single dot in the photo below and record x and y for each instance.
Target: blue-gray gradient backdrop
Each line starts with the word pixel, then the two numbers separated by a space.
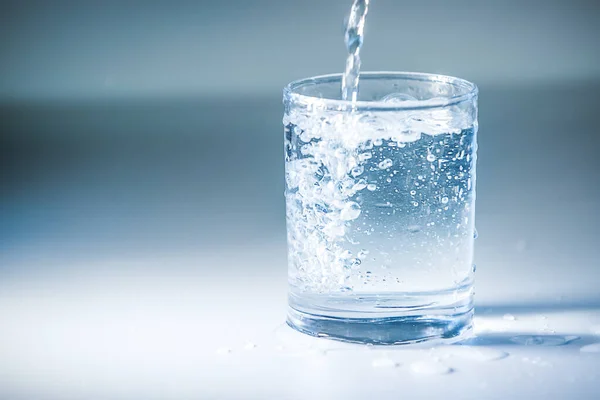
pixel 157 123
pixel 137 131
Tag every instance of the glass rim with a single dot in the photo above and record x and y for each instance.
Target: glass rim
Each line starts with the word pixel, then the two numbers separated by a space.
pixel 470 92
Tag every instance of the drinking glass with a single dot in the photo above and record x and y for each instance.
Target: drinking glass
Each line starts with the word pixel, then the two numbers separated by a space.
pixel 380 207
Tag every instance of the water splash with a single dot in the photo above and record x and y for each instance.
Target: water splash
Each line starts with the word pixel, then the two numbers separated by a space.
pixel 354 39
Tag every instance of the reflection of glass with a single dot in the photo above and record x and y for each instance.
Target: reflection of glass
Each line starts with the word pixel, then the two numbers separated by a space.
pixel 380 207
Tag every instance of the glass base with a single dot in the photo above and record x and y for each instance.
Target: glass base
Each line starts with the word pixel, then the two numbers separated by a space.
pixel 388 325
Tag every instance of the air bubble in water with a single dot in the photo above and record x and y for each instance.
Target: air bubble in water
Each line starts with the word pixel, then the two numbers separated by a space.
pixel 365 156
pixel 360 185
pixel 371 187
pixel 345 254
pixel 368 145
pixel 350 211
pixel 430 157
pixel 414 228
pixel 444 200
pixel 363 253
pixel 356 171
pixel 354 263
pixel 387 163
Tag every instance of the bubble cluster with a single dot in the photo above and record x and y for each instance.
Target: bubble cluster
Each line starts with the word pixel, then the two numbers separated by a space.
pixel 368 191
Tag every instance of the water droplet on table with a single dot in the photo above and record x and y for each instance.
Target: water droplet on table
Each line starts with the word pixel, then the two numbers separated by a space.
pixel 384 363
pixel 543 340
pixel 363 253
pixel 430 368
pixel 471 352
pixel 484 354
pixel 590 348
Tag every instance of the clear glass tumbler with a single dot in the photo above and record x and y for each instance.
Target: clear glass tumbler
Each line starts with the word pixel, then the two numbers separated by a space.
pixel 380 204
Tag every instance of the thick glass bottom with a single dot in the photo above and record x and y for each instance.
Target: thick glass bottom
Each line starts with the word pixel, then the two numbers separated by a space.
pixel 385 320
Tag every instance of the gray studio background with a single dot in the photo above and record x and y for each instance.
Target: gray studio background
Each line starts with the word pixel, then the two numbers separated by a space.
pixel 153 129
